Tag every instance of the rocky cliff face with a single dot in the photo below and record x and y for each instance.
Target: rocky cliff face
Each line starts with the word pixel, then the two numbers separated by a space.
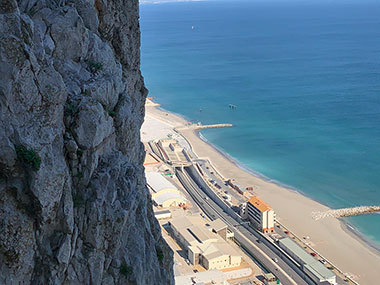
pixel 74 208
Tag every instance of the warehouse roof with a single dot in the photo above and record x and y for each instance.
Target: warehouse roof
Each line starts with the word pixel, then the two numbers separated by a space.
pixel 162 212
pixel 218 225
pixel 297 250
pixel 218 249
pixel 157 182
pixel 321 272
pixel 192 231
pixel 181 222
pixel 313 265
pixel 160 199
pixel 201 234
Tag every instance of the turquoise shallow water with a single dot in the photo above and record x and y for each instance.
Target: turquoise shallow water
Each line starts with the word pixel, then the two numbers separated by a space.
pixel 305 79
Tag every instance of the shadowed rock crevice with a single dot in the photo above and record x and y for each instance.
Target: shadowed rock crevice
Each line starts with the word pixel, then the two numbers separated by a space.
pixel 72 94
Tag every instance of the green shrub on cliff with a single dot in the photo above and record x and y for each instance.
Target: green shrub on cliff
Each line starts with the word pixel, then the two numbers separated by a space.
pixel 125 270
pixel 29 157
pixel 160 254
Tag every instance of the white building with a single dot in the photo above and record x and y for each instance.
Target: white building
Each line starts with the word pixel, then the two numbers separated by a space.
pixel 312 267
pixel 165 194
pixel 260 214
pixel 165 214
pixel 203 246
pixel 173 151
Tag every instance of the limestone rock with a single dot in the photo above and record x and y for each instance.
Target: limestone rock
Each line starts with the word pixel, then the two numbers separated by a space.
pixel 74 208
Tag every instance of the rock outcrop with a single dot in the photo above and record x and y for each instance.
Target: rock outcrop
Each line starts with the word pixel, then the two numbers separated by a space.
pixel 74 208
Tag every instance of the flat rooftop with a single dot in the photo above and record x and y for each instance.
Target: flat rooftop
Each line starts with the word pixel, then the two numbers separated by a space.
pixel 162 212
pixel 218 225
pixel 201 240
pixel 157 182
pixel 317 268
pixel 259 204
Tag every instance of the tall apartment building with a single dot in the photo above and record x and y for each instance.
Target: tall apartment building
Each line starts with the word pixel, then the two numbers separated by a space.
pixel 260 214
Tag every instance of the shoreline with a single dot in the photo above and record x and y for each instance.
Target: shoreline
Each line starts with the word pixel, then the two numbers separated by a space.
pixel 245 168
pixel 351 230
pixel 332 237
pixel 345 224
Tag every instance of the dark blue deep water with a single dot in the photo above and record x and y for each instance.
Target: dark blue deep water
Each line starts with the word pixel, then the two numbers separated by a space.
pixel 305 79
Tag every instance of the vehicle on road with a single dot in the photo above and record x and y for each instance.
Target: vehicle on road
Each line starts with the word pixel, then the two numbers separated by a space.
pixel 286 232
pixel 323 261
pixel 313 254
pixel 275 259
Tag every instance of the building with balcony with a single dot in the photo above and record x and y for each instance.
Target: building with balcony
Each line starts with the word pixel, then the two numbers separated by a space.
pixel 260 214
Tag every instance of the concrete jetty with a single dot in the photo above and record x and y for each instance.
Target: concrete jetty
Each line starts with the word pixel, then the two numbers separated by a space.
pixel 346 212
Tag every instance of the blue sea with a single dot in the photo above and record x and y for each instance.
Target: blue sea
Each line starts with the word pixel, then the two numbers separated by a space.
pixel 304 75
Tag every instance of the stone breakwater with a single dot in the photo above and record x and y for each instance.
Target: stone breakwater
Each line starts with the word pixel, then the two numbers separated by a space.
pixel 214 126
pixel 346 212
pixel 201 127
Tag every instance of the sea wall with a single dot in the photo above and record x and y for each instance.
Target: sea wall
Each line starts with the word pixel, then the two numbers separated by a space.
pixel 346 212
pixel 74 208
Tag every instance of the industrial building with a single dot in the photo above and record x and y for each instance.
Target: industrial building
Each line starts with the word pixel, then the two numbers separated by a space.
pixel 203 245
pixel 164 193
pixel 219 227
pixel 173 152
pixel 312 267
pixel 260 214
pixel 165 214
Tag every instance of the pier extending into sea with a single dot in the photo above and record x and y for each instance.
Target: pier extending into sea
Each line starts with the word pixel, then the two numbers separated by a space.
pixel 346 212
pixel 201 127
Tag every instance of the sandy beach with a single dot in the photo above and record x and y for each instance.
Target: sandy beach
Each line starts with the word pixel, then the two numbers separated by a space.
pixel 329 236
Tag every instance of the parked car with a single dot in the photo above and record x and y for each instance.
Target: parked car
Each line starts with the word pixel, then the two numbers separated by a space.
pixel 275 259
pixel 323 261
pixel 286 232
pixel 313 254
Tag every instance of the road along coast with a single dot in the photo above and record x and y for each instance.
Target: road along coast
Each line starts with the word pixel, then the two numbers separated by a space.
pixel 329 237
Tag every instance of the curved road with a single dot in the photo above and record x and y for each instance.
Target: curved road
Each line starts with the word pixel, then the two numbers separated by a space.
pixel 247 239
